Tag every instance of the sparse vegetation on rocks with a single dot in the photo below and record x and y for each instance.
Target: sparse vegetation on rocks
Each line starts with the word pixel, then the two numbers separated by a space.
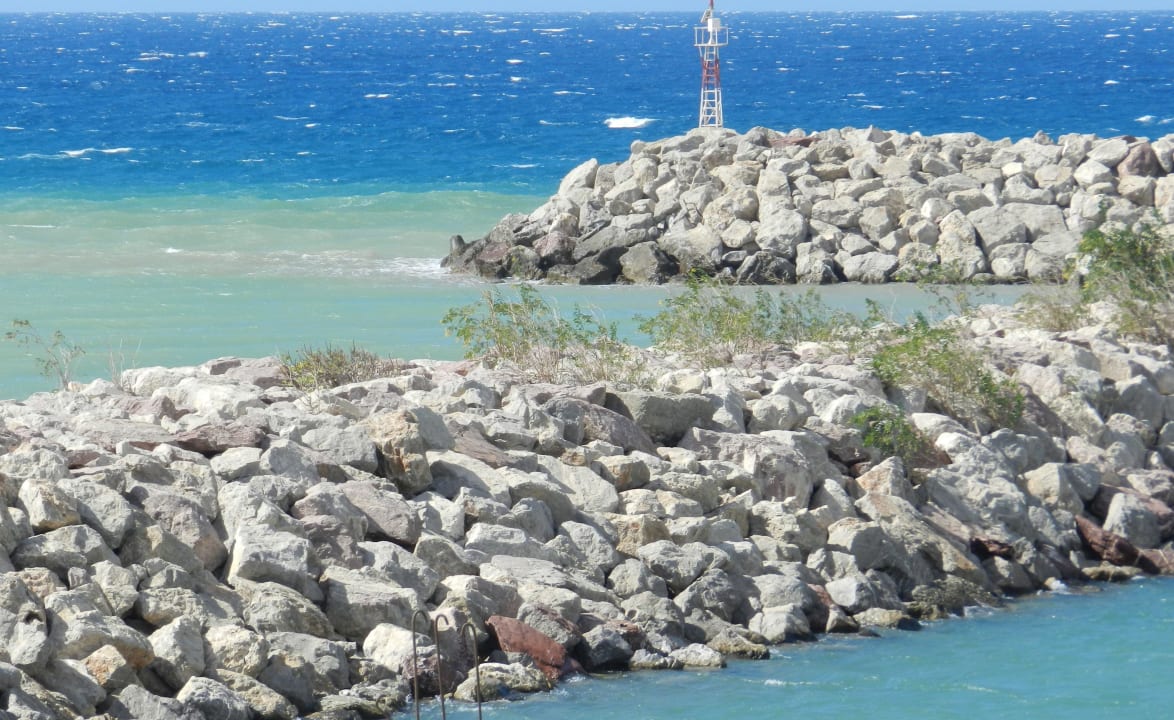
pixel 710 324
pixel 329 366
pixel 532 337
pixel 936 361
pixel 1134 270
pixel 55 356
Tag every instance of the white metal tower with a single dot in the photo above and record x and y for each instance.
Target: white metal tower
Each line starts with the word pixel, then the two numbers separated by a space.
pixel 708 39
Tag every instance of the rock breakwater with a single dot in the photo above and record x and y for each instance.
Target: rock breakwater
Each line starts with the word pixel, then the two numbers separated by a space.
pixel 842 205
pixel 204 542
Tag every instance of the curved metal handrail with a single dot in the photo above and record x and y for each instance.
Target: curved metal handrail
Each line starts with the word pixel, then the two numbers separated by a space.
pixel 416 661
pixel 434 624
pixel 440 660
pixel 476 661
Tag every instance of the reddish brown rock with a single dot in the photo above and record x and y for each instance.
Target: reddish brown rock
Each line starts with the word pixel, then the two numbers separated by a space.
pixel 1141 161
pixel 158 406
pixel 555 248
pixel 1107 546
pixel 209 440
pixel 819 617
pixel 470 442
pixel 984 547
pixel 516 636
pixel 1158 562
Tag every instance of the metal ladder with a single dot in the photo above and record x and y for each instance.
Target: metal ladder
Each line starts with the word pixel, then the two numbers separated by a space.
pixel 468 630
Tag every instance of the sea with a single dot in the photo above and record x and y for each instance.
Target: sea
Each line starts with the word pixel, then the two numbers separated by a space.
pixel 180 187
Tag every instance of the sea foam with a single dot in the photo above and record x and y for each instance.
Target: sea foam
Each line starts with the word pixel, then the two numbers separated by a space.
pixel 627 122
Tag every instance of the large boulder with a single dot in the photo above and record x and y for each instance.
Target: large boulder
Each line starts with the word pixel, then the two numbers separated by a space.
pixel 785 464
pixel 665 417
pixel 549 657
pixel 263 554
pixel 23 624
pixel 357 601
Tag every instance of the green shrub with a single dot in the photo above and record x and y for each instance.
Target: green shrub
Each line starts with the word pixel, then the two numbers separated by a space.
pixel 1134 270
pixel 953 374
pixel 886 429
pixel 711 323
pixel 531 336
pixel 330 367
pixel 55 355
pixel 1057 309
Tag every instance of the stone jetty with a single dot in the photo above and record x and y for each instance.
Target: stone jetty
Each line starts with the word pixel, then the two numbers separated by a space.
pixel 203 542
pixel 854 205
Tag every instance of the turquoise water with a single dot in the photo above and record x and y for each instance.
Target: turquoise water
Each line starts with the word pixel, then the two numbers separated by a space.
pixel 177 280
pixel 1084 656
pixel 181 279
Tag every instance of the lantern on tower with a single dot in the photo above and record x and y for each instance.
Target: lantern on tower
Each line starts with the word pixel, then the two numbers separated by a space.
pixel 709 38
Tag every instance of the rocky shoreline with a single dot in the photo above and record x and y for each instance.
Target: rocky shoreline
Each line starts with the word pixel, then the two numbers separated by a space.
pixel 859 205
pixel 203 542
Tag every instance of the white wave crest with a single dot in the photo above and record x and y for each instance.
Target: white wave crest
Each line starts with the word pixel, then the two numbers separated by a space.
pixel 1145 119
pixel 86 151
pixel 627 122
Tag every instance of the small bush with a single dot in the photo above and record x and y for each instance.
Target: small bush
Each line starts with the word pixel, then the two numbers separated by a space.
pixel 888 430
pixel 953 374
pixel 330 367
pixel 1057 309
pixel 711 323
pixel 55 355
pixel 531 336
pixel 1134 270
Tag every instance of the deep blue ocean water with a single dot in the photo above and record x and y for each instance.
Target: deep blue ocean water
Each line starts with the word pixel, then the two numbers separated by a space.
pixel 180 187
pixel 288 106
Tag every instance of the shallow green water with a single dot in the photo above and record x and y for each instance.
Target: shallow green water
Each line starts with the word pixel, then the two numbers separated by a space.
pixel 176 280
